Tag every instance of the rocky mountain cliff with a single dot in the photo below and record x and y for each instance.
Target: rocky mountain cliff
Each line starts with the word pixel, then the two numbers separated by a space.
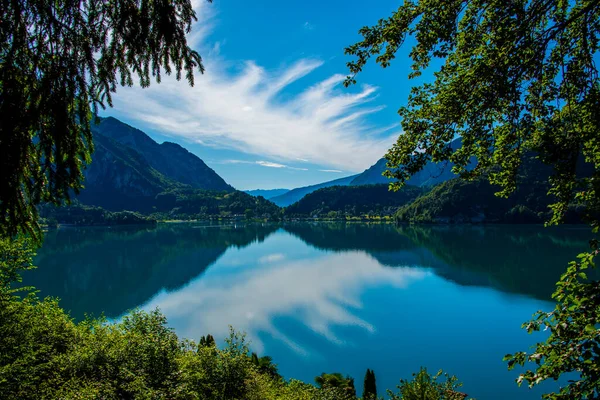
pixel 120 176
pixel 170 159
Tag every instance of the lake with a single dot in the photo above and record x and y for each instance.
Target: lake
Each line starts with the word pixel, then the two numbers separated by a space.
pixel 327 297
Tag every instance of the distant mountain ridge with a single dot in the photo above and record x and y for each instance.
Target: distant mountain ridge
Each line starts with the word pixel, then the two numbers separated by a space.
pixel 295 195
pixel 431 175
pixel 267 193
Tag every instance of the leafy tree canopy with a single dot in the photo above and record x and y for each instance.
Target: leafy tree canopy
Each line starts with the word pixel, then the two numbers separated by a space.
pixel 59 62
pixel 517 77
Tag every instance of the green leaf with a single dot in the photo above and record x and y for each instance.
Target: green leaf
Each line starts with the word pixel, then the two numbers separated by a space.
pixel 590 328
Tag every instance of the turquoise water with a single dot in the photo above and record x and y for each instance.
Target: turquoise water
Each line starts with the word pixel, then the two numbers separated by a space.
pixel 327 297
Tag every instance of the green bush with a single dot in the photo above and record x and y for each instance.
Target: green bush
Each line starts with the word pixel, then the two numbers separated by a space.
pixel 427 387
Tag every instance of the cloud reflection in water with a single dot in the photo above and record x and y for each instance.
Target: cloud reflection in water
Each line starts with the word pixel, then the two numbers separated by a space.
pixel 320 292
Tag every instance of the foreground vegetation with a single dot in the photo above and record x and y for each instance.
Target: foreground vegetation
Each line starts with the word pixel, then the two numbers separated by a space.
pixel 44 354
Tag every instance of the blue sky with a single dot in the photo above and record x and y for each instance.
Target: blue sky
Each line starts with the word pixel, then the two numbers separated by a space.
pixel 271 111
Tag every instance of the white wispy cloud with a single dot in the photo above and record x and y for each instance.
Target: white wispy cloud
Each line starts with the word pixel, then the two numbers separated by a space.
pixel 270 164
pixel 244 110
pixel 335 171
pixel 233 162
pixel 262 163
pixel 308 26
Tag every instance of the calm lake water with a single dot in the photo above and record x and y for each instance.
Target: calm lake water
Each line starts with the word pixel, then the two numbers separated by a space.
pixel 327 297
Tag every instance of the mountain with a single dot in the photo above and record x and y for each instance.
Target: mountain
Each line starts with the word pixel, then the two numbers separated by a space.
pixel 170 159
pixel 430 175
pixel 372 175
pixel 460 201
pixel 296 194
pixel 130 171
pixel 120 176
pixel 340 201
pixel 267 193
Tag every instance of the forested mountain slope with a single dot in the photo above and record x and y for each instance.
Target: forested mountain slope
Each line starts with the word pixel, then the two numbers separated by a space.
pixel 431 175
pixel 458 200
pixel 339 201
